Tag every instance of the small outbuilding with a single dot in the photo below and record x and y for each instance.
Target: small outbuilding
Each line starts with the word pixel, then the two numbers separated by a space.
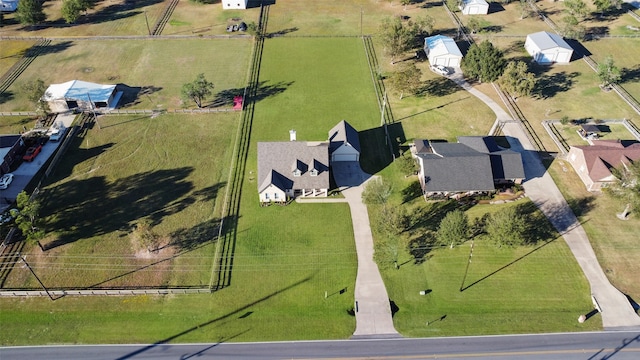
pixel 442 50
pixel 234 4
pixel 474 7
pixel 81 95
pixel 8 5
pixel 547 48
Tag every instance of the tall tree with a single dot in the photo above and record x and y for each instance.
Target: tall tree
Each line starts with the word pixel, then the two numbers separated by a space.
pixel 422 26
pixel 608 72
pixel 517 79
pixel 626 187
pixel 30 12
pixel 35 90
pixel 406 80
pixel 453 229
pixel 507 227
pixel 377 191
pixel 408 165
pixel 71 9
pixel 197 90
pixel 28 219
pixel 396 37
pixel 483 62
pixel 571 28
pixel 577 8
pixel 474 24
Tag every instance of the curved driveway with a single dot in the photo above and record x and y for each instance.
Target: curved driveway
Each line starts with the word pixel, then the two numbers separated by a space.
pixel 617 313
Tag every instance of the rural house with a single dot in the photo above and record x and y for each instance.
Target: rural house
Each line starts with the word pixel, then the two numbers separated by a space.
pixel 474 165
pixel 81 95
pixel 344 143
pixel 594 163
pixel 474 7
pixel 442 50
pixel 547 48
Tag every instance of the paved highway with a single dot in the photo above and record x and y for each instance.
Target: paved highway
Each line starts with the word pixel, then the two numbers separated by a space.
pixel 565 346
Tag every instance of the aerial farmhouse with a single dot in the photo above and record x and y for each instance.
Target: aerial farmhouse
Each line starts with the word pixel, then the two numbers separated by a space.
pixel 81 95
pixel 594 163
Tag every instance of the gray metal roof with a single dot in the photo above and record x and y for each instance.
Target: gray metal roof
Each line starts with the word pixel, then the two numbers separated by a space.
pixel 276 160
pixel 343 133
pixel 545 40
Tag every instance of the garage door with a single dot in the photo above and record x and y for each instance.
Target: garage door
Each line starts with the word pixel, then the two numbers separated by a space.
pixel 474 10
pixel 563 57
pixel 442 61
pixel 344 157
pixel 455 62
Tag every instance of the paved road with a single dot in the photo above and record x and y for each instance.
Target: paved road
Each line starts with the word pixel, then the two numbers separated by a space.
pixel 573 346
pixel 373 311
pixel 617 312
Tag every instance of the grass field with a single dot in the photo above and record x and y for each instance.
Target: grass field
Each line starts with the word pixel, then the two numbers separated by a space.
pixel 157 69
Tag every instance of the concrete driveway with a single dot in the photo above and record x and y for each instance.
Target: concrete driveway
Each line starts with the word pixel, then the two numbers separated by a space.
pixel 372 306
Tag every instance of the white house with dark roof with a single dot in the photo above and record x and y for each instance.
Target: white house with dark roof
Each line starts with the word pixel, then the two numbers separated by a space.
pixel 83 95
pixel 547 48
pixel 292 169
pixel 474 7
pixel 475 164
pixel 344 143
pixel 442 50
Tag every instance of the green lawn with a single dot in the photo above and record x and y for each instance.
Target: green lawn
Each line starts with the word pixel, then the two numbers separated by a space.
pixel 157 69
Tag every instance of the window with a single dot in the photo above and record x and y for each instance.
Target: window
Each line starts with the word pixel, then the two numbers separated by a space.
pixel 275 196
pixel 296 172
pixel 266 196
pixel 313 172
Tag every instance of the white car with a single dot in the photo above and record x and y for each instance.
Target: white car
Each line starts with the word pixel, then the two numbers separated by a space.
pixel 439 69
pixel 5 180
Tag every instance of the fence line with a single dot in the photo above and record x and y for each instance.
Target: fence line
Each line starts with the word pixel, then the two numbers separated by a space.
pixel 633 15
pixel 101 292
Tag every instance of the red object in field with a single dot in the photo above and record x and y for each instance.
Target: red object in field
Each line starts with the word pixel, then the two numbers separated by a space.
pixel 237 102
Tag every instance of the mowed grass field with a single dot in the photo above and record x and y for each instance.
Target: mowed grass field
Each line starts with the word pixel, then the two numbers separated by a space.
pixel 134 167
pixel 156 69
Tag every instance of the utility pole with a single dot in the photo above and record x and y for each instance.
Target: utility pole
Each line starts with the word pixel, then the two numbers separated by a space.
pixel 467 269
pixel 37 278
pixel 93 111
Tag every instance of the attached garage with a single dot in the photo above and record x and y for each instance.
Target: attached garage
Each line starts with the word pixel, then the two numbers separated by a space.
pixel 442 50
pixel 547 48
pixel 344 143
pixel 474 7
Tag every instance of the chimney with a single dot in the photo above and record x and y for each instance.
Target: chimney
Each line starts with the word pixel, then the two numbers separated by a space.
pixel 292 135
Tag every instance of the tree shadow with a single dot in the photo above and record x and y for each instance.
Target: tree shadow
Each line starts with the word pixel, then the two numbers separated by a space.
pixel 420 246
pixel 412 191
pixel 54 48
pixel 514 47
pixel 212 321
pixel 549 86
pixel 282 32
pixel 131 94
pixel 429 216
pixel 6 96
pixel 263 91
pixel 84 208
pixel 430 4
pixel 582 206
pixel 538 227
pixel 596 31
pixel 118 11
pixel 192 238
pixel 628 74
pixel 438 87
pixel 491 29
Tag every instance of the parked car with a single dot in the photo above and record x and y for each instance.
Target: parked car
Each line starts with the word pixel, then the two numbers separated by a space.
pixel 440 69
pixel 5 180
pixel 242 26
pixel 32 152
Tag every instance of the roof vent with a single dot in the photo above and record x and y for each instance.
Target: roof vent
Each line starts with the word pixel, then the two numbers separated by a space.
pixel 292 135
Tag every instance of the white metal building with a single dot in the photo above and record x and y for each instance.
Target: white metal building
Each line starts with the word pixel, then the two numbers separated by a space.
pixel 548 48
pixel 76 94
pixel 234 4
pixel 442 50
pixel 474 7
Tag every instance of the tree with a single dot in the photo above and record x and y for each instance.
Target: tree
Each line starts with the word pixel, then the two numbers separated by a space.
pixel 35 90
pixel 396 37
pixel 144 237
pixel 517 80
pixel 393 220
pixel 483 62
pixel 30 12
pixel 608 72
pixel 197 90
pixel 71 9
pixel 525 9
pixel 28 218
pixel 576 8
pixel 405 3
pixel 377 191
pixel 626 187
pixel 406 79
pixel 453 5
pixel 422 26
pixel 408 165
pixel 453 229
pixel 507 227
pixel 571 28
pixel 474 24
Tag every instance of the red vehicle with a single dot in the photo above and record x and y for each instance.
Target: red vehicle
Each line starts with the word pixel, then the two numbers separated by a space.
pixel 32 152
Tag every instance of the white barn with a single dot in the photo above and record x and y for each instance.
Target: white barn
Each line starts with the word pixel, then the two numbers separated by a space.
pixel 76 94
pixel 474 7
pixel 234 4
pixel 548 48
pixel 8 5
pixel 344 143
pixel 442 50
